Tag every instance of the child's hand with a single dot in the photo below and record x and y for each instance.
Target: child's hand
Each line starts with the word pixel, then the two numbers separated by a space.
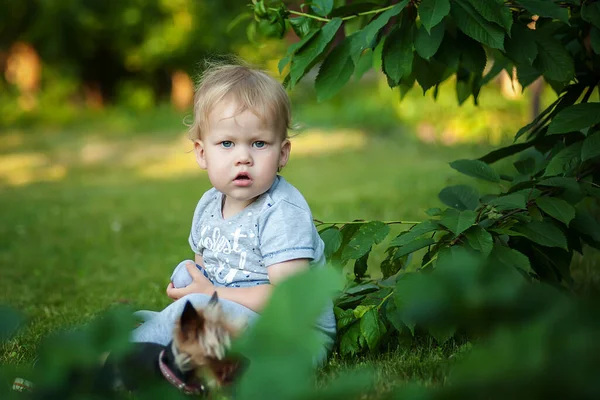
pixel 200 284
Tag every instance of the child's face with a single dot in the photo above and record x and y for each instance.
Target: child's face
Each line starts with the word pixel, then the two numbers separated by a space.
pixel 240 154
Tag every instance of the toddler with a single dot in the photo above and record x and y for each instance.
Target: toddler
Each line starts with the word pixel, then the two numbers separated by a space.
pixel 253 229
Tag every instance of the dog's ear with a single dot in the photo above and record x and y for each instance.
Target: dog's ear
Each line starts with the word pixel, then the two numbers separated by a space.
pixel 191 322
pixel 214 299
pixel 228 369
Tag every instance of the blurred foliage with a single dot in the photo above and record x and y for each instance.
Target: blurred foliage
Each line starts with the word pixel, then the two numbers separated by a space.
pixel 532 342
pixel 539 218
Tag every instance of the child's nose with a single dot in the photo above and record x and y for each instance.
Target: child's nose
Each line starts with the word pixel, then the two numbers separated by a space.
pixel 243 156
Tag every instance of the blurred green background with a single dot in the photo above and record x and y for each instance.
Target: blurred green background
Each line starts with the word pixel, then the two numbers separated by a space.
pixel 97 182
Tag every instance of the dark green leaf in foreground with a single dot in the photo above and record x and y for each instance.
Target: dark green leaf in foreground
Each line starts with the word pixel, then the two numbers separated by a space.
pixel 585 223
pixel 428 43
pixel 432 12
pixel 543 233
pixel 476 169
pixel 556 208
pixel 521 47
pixel 461 197
pixel 474 25
pixel 370 31
pixel 332 237
pixel 336 70
pixel 479 239
pixel 591 147
pixel 283 341
pixel 509 202
pixel 494 11
pixel 546 8
pixel 415 232
pixel 554 60
pixel 322 7
pixel 565 161
pixel 413 246
pixel 458 221
pixel 368 235
pixel 371 328
pixel 397 56
pixel 575 117
pixel 313 49
pixel 511 258
pixel 590 12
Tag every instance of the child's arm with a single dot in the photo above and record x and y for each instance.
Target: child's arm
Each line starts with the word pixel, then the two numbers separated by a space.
pixel 255 298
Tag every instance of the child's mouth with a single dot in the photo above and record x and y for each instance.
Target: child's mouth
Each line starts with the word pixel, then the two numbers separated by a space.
pixel 242 179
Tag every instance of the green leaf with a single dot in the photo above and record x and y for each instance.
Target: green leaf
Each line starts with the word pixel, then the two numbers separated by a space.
pixel 569 184
pixel 335 71
pixel 479 239
pixel 371 328
pixel 372 29
pixel 472 56
pixel 343 317
pixel 305 57
pixel 302 26
pixel 509 202
pixel 364 63
pixel 511 258
pixel 543 233
pixel 442 334
pixel 432 12
pixel 349 340
pixel 433 212
pixel 413 246
pixel 591 147
pixel 397 56
pixel 566 160
pixel 415 232
pixel 461 197
pixel 361 310
pixel 332 237
pixel 458 221
pixel 361 265
pixel 521 47
pixel 322 7
pixel 575 118
pixel 595 39
pixel 476 169
pixel 553 60
pixel 590 12
pixel 348 231
pixel 556 208
pixel 494 11
pixel 474 25
pixel 367 235
pixel 546 8
pixel 428 74
pixel 428 43
pixel 585 223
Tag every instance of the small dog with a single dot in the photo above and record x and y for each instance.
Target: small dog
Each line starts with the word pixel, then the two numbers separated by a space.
pixel 195 362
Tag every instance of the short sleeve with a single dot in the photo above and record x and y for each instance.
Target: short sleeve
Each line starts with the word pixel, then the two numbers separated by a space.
pixel 203 204
pixel 287 232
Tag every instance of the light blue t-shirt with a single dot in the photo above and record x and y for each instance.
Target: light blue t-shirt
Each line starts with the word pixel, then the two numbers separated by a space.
pixel 277 227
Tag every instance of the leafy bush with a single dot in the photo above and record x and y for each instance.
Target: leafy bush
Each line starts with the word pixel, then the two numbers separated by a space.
pixel 537 220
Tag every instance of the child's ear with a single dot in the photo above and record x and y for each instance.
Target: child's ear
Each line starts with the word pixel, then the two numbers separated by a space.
pixel 284 156
pixel 200 153
pixel 191 322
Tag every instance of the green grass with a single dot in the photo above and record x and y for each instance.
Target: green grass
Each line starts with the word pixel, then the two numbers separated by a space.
pixel 104 232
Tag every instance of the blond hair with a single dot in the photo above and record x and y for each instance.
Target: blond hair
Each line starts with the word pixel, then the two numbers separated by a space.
pixel 251 89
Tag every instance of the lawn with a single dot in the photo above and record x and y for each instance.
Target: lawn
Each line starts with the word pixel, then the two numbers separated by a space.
pixel 98 213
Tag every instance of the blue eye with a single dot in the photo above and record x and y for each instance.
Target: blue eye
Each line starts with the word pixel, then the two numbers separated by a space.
pixel 227 144
pixel 259 144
